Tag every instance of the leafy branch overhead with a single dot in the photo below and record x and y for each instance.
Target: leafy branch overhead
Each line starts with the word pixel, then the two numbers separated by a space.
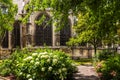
pixel 57 8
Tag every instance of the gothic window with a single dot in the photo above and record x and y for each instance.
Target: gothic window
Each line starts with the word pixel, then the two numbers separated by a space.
pixel 5 41
pixel 65 33
pixel 43 32
pixel 16 35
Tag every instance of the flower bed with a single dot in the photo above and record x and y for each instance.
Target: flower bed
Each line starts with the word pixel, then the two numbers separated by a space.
pixel 39 65
pixel 110 68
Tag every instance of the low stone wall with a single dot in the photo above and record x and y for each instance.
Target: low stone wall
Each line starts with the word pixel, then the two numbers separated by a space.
pixel 83 52
pixel 5 53
pixel 75 53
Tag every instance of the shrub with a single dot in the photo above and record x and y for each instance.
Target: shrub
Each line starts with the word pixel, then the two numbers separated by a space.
pixel 39 65
pixel 109 69
pixel 105 54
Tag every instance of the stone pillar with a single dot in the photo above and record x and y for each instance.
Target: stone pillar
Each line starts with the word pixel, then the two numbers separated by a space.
pixel 32 28
pixel 10 40
pixel 53 36
pixel 71 17
pixel 23 35
pixel 28 35
pixel 57 40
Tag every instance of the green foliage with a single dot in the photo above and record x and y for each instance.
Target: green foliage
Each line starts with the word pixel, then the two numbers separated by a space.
pixel 39 65
pixel 109 69
pixel 105 54
pixel 6 19
pixel 97 22
pixel 58 9
pixel 8 66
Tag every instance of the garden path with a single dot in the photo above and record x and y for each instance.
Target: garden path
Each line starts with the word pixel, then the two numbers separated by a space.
pixel 85 72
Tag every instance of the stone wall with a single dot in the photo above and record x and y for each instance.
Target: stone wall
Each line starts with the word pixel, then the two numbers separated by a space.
pixel 75 53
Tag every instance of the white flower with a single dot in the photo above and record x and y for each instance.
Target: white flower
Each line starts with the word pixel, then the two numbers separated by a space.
pixel 39 55
pixel 55 56
pixel 37 59
pixel 55 61
pixel 43 53
pixel 17 65
pixel 20 73
pixel 36 63
pixel 30 79
pixel 42 56
pixel 48 60
pixel 31 61
pixel 64 69
pixel 50 54
pixel 45 56
pixel 43 69
pixel 28 58
pixel 59 70
pixel 50 68
pixel 34 54
pixel 28 76
pixel 63 64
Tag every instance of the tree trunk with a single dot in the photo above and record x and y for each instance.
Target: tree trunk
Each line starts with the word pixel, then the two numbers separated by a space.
pixel 0 52
pixel 95 50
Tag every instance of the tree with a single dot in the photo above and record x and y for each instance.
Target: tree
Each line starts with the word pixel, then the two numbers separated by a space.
pixel 98 19
pixel 98 22
pixel 7 17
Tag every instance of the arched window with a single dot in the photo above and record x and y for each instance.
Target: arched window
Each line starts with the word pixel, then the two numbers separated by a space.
pixel 65 33
pixel 16 34
pixel 43 32
pixel 5 41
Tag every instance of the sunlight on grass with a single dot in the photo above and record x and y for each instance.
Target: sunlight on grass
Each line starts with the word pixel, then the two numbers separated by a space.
pixel 83 61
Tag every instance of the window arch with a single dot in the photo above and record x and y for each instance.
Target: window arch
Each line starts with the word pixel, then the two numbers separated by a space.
pixel 65 33
pixel 43 32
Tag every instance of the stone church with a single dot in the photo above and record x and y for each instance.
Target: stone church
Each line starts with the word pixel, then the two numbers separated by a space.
pixel 32 34
pixel 38 36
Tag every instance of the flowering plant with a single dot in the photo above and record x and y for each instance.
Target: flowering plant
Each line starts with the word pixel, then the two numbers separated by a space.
pixel 43 65
pixel 109 69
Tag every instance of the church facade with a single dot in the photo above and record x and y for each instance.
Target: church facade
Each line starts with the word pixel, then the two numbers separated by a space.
pixel 32 34
pixel 39 36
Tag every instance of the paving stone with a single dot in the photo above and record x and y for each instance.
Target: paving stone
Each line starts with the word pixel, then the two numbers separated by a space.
pixel 85 73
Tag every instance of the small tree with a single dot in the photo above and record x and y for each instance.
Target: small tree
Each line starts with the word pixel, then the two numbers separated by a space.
pixel 85 32
pixel 96 22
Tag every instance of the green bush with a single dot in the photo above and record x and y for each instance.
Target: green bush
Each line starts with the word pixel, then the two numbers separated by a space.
pixel 109 69
pixel 105 54
pixel 39 65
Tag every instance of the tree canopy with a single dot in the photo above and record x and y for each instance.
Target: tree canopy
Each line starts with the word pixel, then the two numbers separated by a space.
pixel 97 19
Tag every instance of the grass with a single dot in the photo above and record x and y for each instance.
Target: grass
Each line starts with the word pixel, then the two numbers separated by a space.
pixel 83 61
